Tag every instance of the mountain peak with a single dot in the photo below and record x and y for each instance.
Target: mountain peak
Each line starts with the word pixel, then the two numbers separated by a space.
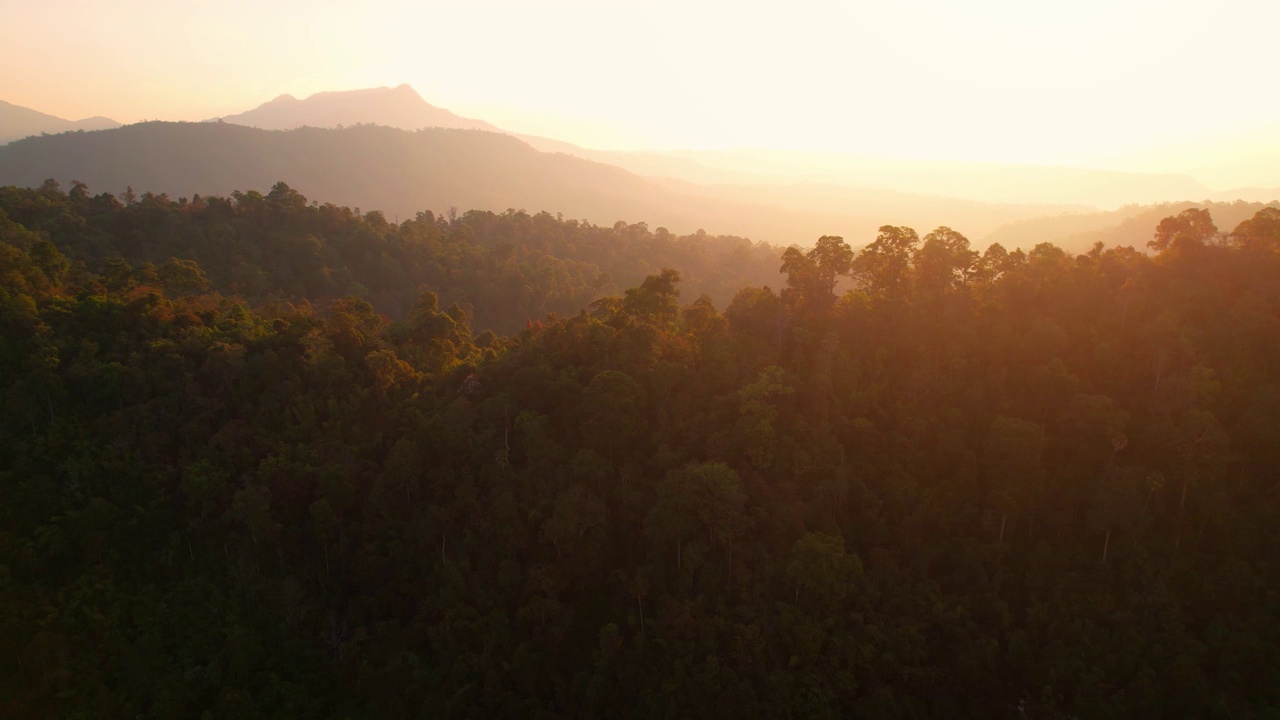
pixel 400 107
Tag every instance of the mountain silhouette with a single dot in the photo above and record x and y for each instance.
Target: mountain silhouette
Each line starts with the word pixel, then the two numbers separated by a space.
pixel 400 173
pixel 398 107
pixel 365 148
pixel 394 171
pixel 18 122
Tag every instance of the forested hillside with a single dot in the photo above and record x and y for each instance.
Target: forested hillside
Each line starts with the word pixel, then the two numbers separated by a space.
pixel 503 269
pixel 924 480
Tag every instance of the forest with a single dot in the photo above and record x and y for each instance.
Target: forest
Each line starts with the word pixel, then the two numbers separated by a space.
pixel 263 457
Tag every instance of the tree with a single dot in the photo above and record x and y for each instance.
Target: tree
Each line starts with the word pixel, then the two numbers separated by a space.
pixel 944 260
pixel 52 263
pixel 1116 500
pixel 577 510
pixel 884 265
pixel 821 571
pixel 612 407
pixel 1260 232
pixel 283 197
pixel 812 276
pixel 656 298
pixel 183 277
pixel 1011 462
pixel 699 496
pixel 324 522
pixel 353 325
pixel 674 517
pixel 758 414
pixel 1190 229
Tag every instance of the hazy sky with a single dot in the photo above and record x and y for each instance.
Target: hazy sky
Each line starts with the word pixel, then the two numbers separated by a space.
pixel 1007 80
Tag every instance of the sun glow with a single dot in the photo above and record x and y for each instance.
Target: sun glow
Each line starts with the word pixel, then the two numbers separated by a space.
pixel 1086 83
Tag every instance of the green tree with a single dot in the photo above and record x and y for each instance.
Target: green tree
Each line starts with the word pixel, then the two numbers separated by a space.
pixel 1189 229
pixel 1260 232
pixel 612 410
pixel 1011 462
pixel 944 260
pixel 822 571
pixel 812 276
pixel 656 298
pixel 884 266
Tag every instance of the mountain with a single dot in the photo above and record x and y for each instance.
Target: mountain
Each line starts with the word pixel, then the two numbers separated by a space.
pixel 398 107
pixel 397 172
pixel 975 198
pixel 895 207
pixel 401 173
pixel 17 122
pixel 652 163
pixel 773 196
pixel 1248 194
pixel 892 207
pixel 1000 184
pixel 1241 161
pixel 1132 225
pixel 982 182
pixel 865 176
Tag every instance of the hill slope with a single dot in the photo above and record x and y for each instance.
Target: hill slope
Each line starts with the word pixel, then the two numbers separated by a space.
pixel 1045 492
pixel 397 172
pixel 976 197
pixel 744 172
pixel 502 269
pixel 985 182
pixel 18 122
pixel 1129 226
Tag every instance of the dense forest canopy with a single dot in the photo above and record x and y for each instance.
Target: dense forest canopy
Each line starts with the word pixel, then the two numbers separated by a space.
pixel 503 268
pixel 256 463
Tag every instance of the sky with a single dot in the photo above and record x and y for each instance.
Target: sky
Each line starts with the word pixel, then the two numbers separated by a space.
pixel 1028 81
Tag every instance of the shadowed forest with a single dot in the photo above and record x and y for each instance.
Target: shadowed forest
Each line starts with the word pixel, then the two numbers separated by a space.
pixel 263 457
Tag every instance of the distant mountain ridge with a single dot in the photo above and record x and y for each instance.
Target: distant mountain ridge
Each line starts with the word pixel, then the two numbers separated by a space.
pixel 400 173
pixel 752 171
pixel 17 122
pixel 396 172
pixel 399 107
pixel 1129 226
pixel 775 196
